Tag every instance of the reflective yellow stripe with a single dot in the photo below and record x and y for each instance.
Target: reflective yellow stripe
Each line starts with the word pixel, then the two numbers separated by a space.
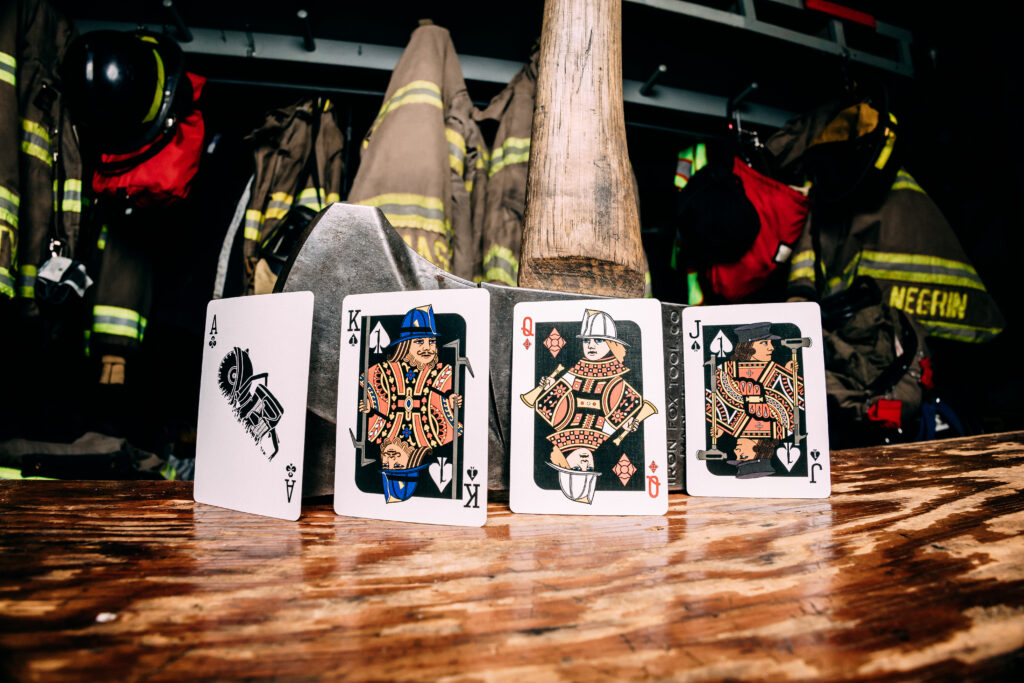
pixel 648 285
pixel 72 201
pixel 158 94
pixel 419 222
pixel 10 473
pixel 404 198
pixel 253 224
pixel 279 205
pixel 456 151
pixel 27 281
pixel 333 197
pixel 890 140
pixel 416 92
pixel 798 273
pixel 930 278
pixel 9 202
pixel 407 210
pixel 310 198
pixel 35 141
pixel 959 332
pixel 101 241
pixel 8 69
pixel 6 283
pixel 117 321
pixel 512 151
pixel 919 259
pixel 500 258
pixel 905 181
pixel 8 217
pixel 499 275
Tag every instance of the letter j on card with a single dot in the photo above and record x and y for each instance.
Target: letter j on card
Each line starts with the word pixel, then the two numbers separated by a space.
pixel 588 408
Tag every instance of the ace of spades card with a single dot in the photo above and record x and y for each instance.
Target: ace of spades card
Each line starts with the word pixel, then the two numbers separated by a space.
pixel 413 407
pixel 588 407
pixel 251 431
pixel 756 421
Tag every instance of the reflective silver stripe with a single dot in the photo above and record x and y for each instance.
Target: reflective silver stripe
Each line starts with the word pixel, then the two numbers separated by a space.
pixel 407 209
pixel 34 139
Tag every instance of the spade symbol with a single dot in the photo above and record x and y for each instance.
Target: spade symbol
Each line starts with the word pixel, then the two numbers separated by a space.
pixel 352 341
pixel 815 454
pixel 379 338
pixel 721 345
pixel 472 472
pixel 695 346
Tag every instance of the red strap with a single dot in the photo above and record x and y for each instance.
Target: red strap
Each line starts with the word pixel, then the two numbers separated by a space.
pixel 841 12
pixel 926 374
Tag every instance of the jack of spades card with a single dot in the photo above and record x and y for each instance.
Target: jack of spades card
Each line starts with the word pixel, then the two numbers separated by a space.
pixel 588 404
pixel 408 428
pixel 757 377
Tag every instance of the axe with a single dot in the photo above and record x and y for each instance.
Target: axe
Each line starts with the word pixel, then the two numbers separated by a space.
pixel 350 249
pixel 794 344
pixel 460 360
pixel 581 237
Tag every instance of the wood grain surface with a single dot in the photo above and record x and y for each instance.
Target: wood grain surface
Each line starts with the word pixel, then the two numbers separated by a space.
pixel 913 569
pixel 581 230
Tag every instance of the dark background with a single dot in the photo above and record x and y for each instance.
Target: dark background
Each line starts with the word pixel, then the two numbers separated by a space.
pixel 959 124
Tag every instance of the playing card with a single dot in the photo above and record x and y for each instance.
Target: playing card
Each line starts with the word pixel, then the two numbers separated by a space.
pixel 588 408
pixel 252 404
pixel 412 407
pixel 756 423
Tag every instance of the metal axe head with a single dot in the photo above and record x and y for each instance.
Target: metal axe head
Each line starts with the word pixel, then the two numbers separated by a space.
pixel 351 249
pixel 796 343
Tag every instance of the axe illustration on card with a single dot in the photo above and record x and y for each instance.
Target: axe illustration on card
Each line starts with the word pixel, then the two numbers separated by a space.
pixel 581 234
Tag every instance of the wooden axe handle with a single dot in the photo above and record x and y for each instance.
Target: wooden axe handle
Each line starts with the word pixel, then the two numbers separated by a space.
pixel 582 225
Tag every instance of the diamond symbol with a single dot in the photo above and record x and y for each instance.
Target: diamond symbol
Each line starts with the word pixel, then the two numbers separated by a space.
pixel 554 342
pixel 526 344
pixel 653 467
pixel 624 469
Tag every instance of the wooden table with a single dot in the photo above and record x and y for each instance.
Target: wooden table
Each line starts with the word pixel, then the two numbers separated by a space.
pixel 914 568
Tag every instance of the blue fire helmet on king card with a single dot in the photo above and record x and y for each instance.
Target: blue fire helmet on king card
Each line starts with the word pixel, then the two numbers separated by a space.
pixel 417 324
pixel 400 484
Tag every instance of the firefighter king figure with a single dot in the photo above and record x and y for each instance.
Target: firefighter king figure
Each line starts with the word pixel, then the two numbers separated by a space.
pixel 410 405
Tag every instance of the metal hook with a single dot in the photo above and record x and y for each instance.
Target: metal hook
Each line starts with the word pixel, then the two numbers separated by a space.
pixel 184 35
pixel 307 30
pixel 647 88
pixel 732 110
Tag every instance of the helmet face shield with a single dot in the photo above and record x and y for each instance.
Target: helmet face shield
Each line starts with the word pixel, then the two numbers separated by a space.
pixel 122 88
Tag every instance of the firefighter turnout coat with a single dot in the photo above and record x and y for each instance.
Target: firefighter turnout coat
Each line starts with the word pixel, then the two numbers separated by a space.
pixel 281 150
pixel 40 165
pixel 505 196
pixel 423 155
pixel 910 249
